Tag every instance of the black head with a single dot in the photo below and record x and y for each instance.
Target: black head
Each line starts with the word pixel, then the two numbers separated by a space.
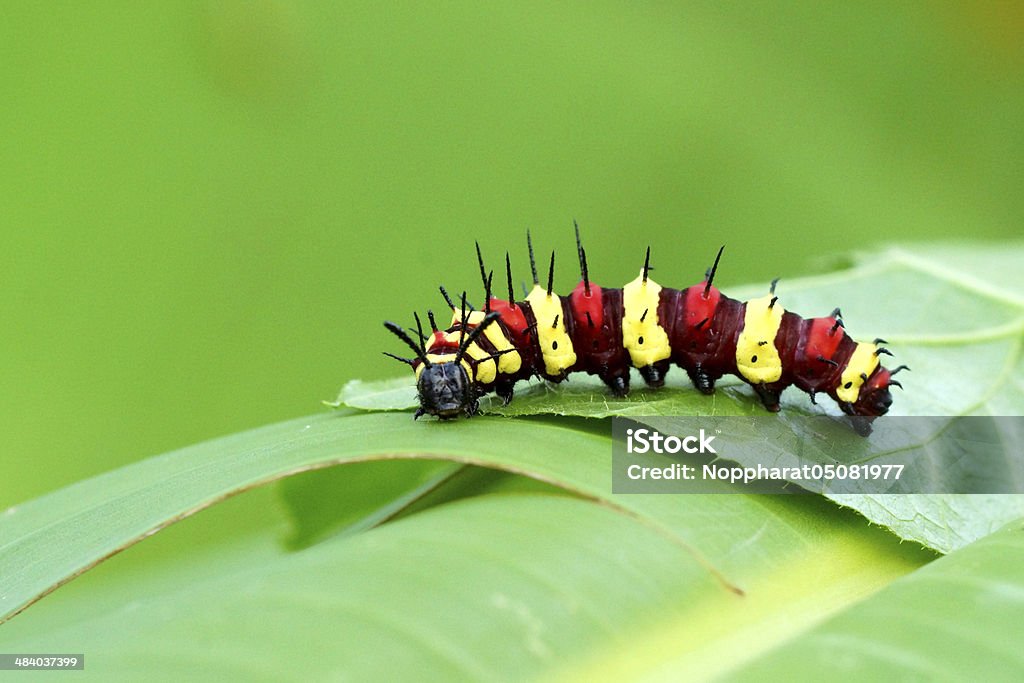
pixel 445 391
pixel 444 387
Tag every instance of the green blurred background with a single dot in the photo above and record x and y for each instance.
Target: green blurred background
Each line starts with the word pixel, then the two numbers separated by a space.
pixel 209 207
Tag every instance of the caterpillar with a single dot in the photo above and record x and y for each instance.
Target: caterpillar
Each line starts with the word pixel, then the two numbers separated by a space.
pixel 605 331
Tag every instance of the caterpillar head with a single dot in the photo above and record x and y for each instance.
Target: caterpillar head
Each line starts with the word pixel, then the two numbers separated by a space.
pixel 444 387
pixel 445 391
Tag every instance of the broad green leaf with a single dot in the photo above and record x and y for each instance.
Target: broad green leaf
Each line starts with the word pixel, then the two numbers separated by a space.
pixel 48 541
pixel 956 619
pixel 499 587
pixel 960 333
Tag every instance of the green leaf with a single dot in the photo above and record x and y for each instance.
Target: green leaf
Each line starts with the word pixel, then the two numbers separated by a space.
pixel 496 587
pixel 48 541
pixel 956 619
pixel 376 395
pixel 961 334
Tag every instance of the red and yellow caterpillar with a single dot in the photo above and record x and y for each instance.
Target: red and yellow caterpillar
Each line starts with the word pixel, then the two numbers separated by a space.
pixel 605 331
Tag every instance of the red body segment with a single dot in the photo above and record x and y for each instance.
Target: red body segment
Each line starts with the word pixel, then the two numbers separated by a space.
pixel 700 305
pixel 822 338
pixel 821 341
pixel 595 327
pixel 587 308
pixel 703 336
pixel 438 343
pixel 881 378
pixel 513 319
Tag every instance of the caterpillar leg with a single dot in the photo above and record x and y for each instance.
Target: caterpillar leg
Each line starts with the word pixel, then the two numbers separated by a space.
pixel 704 382
pixel 654 374
pixel 862 424
pixel 618 383
pixel 504 389
pixel 769 396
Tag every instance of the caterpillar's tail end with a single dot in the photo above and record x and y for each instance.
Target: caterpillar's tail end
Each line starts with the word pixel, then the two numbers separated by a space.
pixel 872 402
pixel 867 409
